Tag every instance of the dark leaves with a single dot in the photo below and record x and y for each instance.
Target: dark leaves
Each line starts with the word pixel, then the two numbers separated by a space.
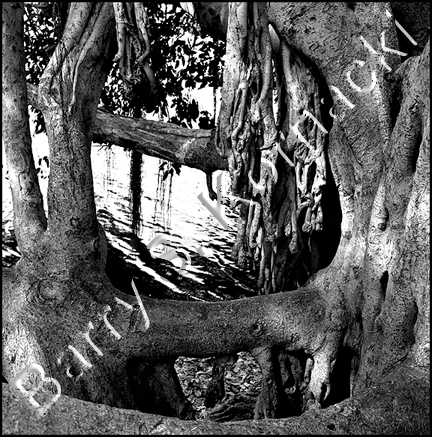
pixel 181 59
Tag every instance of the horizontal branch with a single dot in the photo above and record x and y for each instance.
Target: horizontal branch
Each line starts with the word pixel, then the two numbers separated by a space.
pixel 190 147
pixel 201 329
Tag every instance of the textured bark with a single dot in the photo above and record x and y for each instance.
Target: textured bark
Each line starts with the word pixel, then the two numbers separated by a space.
pixel 29 216
pixel 69 91
pixel 366 261
pixel 374 163
pixel 298 321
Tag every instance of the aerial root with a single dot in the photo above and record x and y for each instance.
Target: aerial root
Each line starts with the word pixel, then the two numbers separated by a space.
pixel 120 18
pixel 133 44
pixel 250 132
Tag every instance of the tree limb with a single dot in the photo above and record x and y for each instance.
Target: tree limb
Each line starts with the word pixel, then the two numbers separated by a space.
pixel 190 147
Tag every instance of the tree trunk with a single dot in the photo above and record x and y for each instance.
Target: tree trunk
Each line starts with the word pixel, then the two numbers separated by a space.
pixel 365 315
pixel 380 228
pixel 29 216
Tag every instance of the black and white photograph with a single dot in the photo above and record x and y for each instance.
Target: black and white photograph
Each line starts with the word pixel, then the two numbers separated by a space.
pixel 215 218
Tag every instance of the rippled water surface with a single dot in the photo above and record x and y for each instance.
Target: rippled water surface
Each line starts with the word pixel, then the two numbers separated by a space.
pixel 167 207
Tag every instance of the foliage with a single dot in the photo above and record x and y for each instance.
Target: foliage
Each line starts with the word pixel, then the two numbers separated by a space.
pixel 41 34
pixel 242 380
pixel 42 168
pixel 181 59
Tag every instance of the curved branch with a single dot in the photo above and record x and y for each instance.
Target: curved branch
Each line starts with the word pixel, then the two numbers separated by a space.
pixel 142 24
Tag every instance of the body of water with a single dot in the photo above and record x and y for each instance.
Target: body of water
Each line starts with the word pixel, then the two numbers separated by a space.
pixel 135 205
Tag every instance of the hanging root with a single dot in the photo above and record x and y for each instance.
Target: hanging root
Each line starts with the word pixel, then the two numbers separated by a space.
pixel 256 142
pixel 237 33
pixel 142 24
pixel 120 17
pixel 263 109
pixel 133 45
pixel 255 223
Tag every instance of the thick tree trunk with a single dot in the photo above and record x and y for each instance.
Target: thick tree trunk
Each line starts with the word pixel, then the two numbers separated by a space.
pixel 65 266
pixel 371 244
pixel 375 164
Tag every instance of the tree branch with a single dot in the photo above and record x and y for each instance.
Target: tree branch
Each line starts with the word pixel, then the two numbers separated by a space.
pixel 190 147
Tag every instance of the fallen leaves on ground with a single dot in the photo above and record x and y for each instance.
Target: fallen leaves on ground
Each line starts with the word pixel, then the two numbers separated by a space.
pixel 242 386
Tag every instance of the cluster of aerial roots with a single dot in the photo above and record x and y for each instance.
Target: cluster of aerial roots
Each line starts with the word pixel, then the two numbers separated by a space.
pixel 133 44
pixel 270 130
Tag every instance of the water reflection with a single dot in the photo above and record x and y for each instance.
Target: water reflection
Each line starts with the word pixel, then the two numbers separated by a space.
pixel 169 207
pixel 162 206
pixel 135 190
pixel 135 204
